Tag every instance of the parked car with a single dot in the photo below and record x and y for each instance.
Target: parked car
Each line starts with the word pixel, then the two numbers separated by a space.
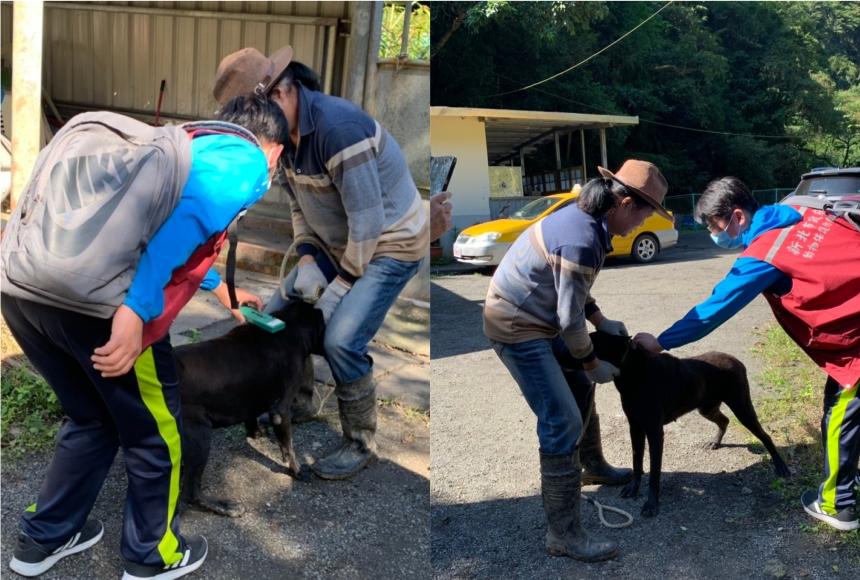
pixel 834 183
pixel 485 244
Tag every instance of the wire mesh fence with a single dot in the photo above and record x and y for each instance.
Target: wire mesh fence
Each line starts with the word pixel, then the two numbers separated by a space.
pixel 683 206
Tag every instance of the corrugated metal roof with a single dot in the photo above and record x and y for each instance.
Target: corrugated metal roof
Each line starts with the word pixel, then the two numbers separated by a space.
pixel 509 130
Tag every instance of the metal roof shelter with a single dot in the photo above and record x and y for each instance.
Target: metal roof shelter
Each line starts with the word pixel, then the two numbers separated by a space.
pixel 513 133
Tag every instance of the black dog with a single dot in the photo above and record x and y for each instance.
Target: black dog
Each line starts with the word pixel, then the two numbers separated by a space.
pixel 235 378
pixel 656 390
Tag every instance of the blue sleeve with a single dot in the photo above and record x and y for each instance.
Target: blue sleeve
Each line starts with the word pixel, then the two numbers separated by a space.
pixel 747 279
pixel 211 280
pixel 228 174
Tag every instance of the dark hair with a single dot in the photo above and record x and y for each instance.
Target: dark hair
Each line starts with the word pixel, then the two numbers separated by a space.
pixel 721 196
pixel 261 116
pixel 297 73
pixel 600 195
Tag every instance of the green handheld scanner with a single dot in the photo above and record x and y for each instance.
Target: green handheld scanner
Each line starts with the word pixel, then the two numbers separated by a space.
pixel 264 321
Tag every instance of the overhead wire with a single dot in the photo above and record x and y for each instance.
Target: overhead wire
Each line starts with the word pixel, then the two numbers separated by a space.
pixel 582 62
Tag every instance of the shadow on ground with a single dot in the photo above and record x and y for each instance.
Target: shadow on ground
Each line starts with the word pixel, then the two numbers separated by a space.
pixel 709 526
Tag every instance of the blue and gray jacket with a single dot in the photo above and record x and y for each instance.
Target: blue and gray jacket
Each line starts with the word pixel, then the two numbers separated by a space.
pixel 228 174
pixel 747 279
pixel 542 288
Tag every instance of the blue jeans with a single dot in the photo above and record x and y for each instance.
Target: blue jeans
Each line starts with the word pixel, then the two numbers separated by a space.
pixel 536 370
pixel 358 316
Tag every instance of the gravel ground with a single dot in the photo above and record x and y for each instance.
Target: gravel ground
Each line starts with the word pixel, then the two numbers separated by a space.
pixel 719 517
pixel 375 525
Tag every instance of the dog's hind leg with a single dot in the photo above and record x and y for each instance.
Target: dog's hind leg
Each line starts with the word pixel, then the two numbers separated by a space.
pixel 713 414
pixel 741 405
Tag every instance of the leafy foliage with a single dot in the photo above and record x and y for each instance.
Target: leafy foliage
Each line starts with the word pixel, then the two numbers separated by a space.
pixel 31 413
pixel 392 31
pixel 772 87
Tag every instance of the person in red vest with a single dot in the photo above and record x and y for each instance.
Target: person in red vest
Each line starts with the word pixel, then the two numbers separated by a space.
pixel 806 263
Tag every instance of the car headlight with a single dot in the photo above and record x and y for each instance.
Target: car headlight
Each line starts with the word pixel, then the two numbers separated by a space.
pixel 462 239
pixel 489 237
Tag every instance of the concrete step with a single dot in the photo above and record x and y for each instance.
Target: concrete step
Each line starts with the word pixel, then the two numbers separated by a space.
pixel 259 250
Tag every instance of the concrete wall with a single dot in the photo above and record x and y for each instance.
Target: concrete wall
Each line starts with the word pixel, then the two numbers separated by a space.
pixel 403 107
pixel 466 139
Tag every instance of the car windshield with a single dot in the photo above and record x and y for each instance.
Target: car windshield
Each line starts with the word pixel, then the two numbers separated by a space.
pixel 533 209
pixel 830 185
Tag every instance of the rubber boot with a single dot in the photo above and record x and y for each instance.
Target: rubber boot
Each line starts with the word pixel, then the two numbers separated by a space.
pixel 560 490
pixel 302 409
pixel 595 468
pixel 357 406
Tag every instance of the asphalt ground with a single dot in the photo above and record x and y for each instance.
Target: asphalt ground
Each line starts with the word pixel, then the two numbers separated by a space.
pixel 718 517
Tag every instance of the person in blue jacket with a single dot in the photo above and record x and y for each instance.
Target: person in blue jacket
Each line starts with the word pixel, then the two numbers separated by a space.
pixel 118 391
pixel 802 262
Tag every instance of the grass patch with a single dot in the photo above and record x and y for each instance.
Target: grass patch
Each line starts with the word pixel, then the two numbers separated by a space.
pixel 31 414
pixel 791 414
pixel 409 412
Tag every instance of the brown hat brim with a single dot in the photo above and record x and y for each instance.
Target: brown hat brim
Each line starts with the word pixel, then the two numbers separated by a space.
pixel 657 207
pixel 281 59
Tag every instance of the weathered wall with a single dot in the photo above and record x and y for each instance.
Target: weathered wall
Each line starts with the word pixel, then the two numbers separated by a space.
pixel 403 107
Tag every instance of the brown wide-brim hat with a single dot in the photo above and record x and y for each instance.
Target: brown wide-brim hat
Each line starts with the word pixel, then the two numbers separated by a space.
pixel 643 179
pixel 248 71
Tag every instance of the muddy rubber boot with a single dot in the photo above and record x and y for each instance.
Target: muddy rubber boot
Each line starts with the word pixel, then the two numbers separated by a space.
pixel 356 403
pixel 595 468
pixel 302 410
pixel 560 490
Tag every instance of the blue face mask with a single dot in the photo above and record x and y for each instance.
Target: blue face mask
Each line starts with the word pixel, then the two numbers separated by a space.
pixel 724 240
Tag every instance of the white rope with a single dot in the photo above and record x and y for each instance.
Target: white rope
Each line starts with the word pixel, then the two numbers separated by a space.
pixel 600 508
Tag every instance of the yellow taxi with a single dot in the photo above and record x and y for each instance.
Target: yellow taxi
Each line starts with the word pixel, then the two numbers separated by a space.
pixel 485 244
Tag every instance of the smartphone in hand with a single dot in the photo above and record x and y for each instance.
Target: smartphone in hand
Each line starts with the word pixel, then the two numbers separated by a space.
pixel 441 170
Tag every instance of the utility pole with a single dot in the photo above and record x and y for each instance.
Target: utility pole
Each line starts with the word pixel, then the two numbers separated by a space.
pixel 26 92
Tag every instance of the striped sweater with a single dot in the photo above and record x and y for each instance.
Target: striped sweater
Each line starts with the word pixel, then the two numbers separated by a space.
pixel 350 189
pixel 542 288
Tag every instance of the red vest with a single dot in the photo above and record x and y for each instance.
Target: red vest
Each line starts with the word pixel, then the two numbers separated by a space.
pixel 821 312
pixel 183 284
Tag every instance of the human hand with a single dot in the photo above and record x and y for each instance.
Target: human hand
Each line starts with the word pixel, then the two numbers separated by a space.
pixel 648 342
pixel 117 356
pixel 242 297
pixel 614 327
pixel 440 214
pixel 332 296
pixel 601 371
pixel 310 281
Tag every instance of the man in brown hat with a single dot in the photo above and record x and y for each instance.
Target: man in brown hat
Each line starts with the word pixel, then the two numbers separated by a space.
pixel 535 317
pixel 359 226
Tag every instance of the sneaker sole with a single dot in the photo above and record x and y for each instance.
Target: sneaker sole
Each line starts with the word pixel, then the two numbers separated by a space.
pixel 832 522
pixel 169 574
pixel 31 569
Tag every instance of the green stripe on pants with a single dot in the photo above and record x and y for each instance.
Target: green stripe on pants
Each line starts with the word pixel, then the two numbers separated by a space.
pixel 153 398
pixel 834 431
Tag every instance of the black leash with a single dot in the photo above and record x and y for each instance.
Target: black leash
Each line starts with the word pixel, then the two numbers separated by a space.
pixel 233 238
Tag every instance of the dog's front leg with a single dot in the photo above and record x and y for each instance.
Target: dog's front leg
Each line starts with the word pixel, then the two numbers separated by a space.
pixel 655 453
pixel 637 439
pixel 284 433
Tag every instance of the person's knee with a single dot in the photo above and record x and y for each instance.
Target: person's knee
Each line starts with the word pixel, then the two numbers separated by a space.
pixel 335 343
pixel 560 437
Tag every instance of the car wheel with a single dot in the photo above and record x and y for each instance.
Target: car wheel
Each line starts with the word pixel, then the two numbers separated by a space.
pixel 645 248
